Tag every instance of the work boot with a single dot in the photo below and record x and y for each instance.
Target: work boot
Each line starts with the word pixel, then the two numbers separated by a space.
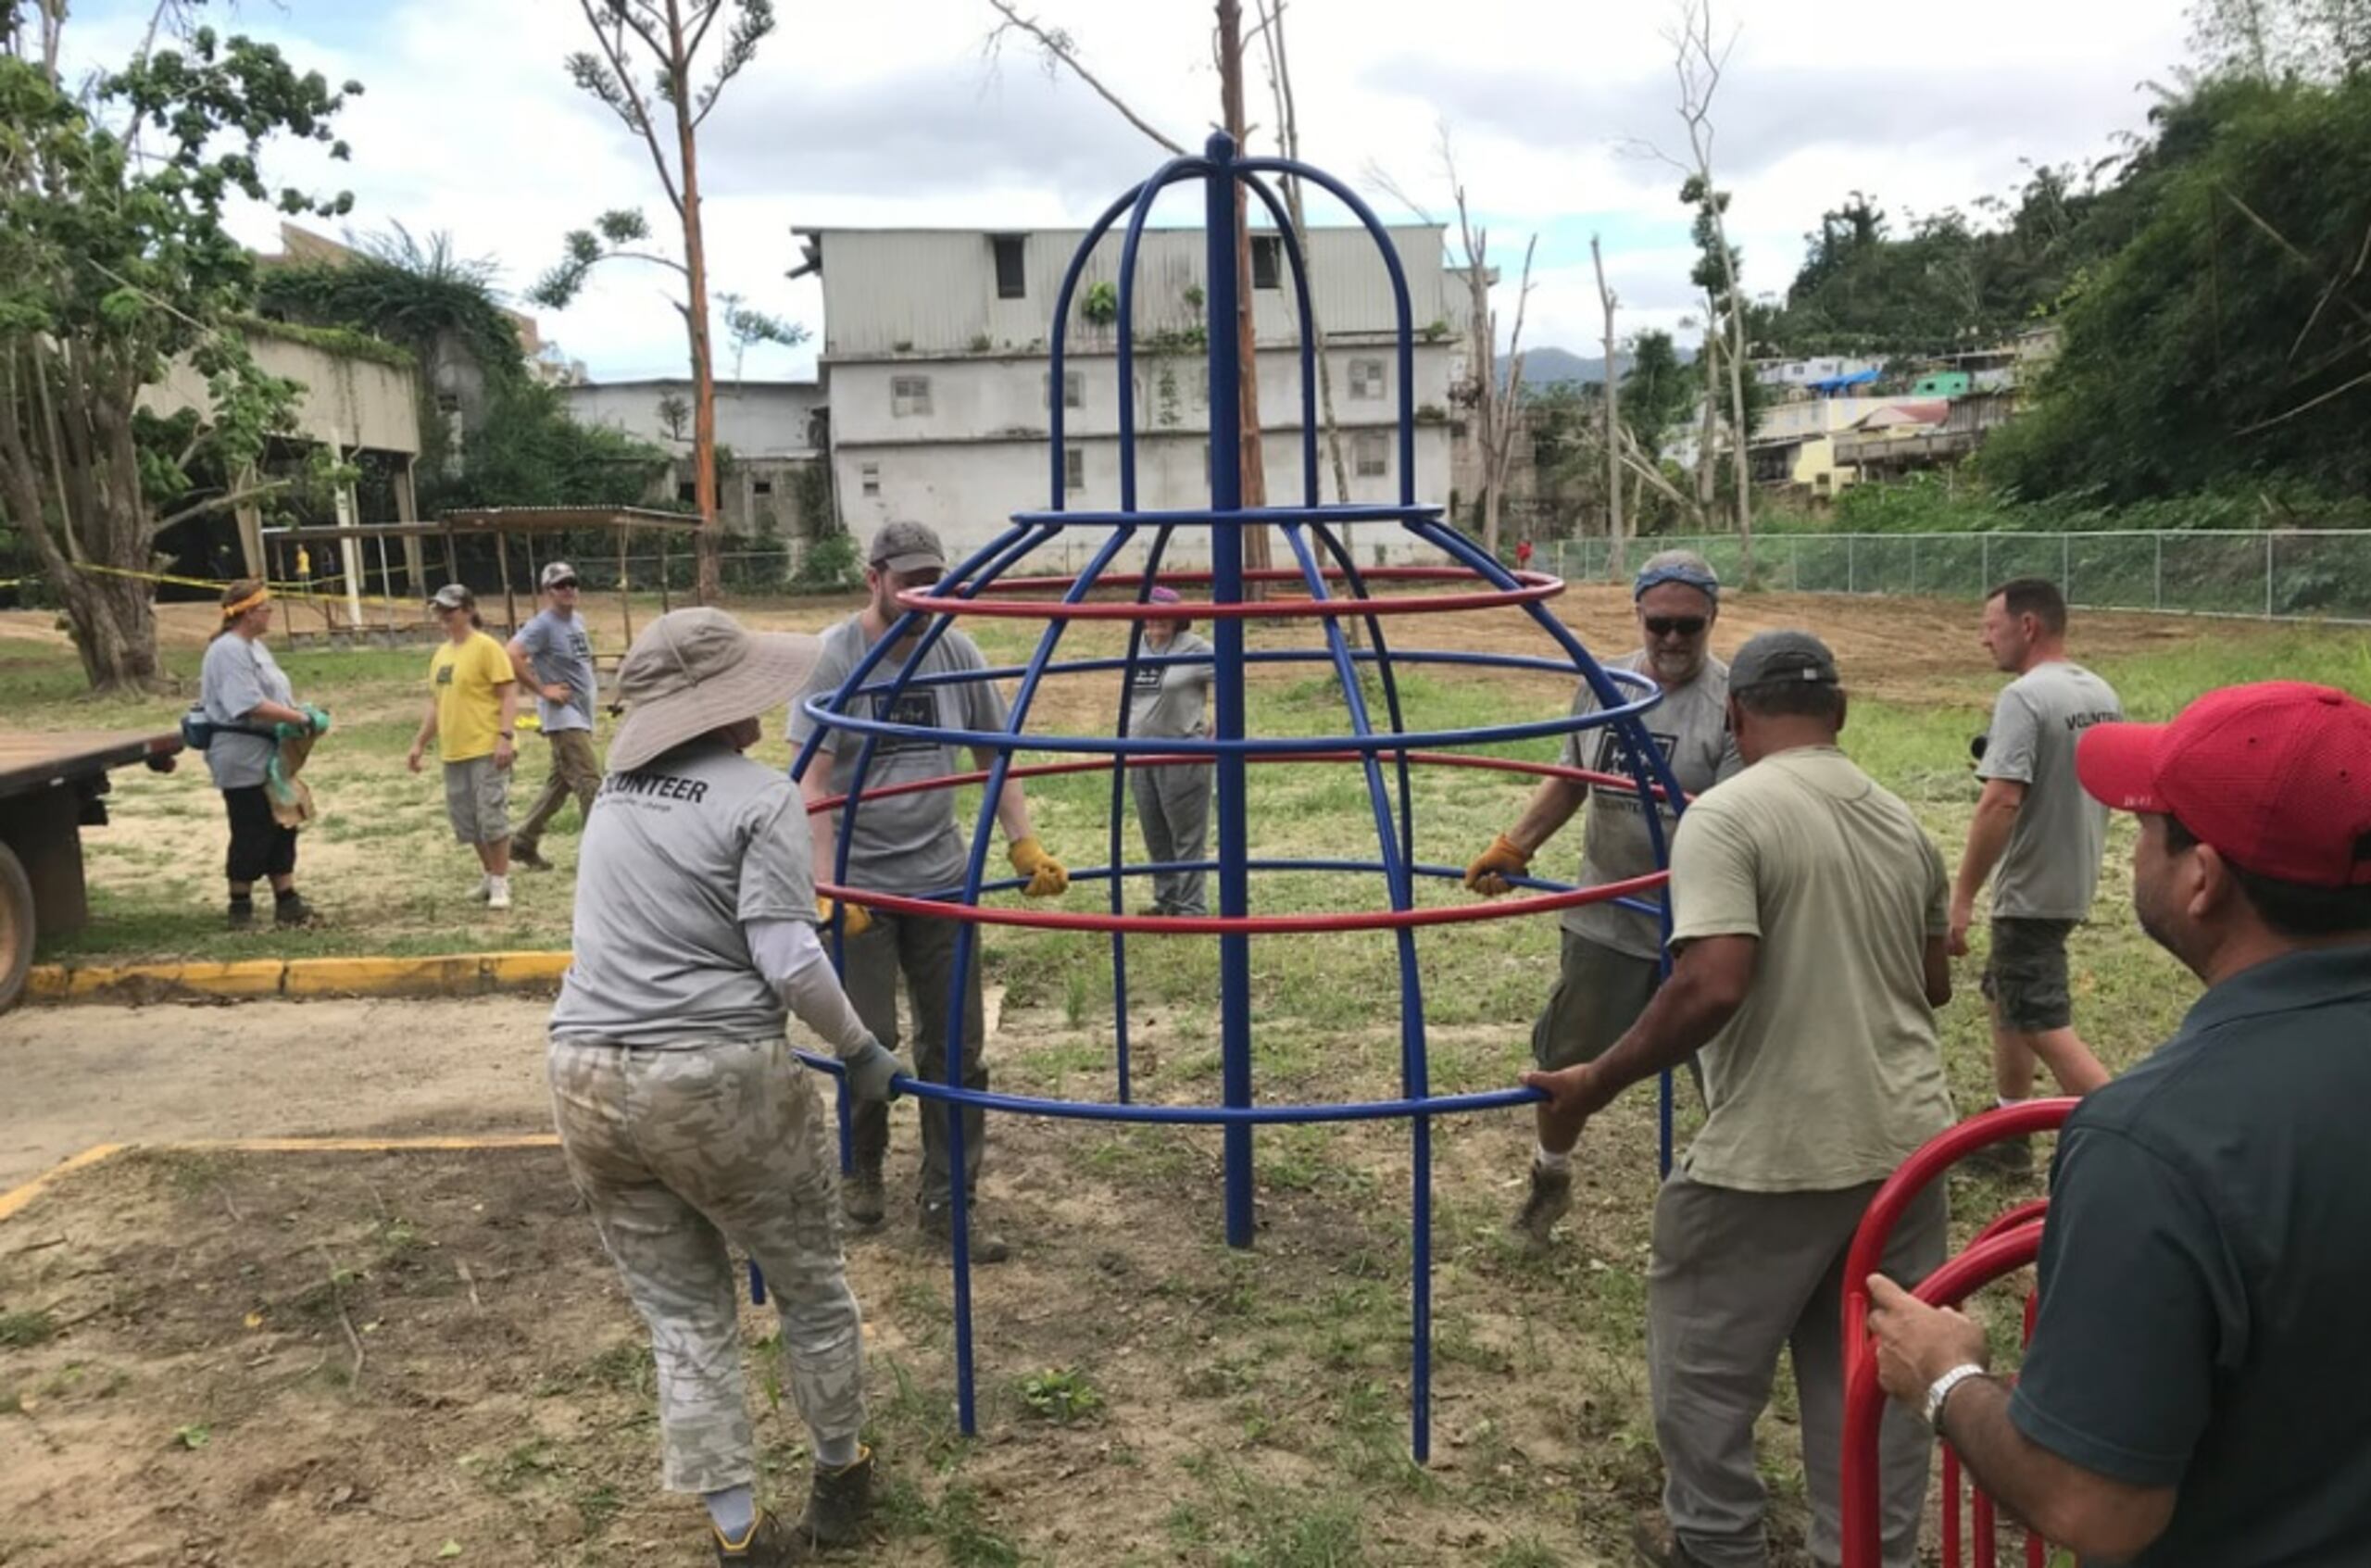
pixel 2012 1159
pixel 243 915
pixel 290 908
pixel 938 1227
pixel 838 1503
pixel 1550 1200
pixel 860 1198
pixel 521 855
pixel 1656 1545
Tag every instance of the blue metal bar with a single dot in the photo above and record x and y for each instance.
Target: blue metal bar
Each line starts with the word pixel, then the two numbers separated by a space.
pixel 1224 518
pixel 959 982
pixel 1119 816
pixel 1340 550
pixel 1646 759
pixel 1413 1073
pixel 1282 218
pixel 1222 299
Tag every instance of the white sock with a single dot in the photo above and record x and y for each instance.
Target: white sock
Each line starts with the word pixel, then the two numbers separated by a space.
pixel 734 1511
pixel 1547 1159
pixel 838 1453
pixel 2005 1103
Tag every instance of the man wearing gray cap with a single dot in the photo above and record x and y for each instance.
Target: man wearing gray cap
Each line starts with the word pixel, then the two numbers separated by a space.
pixel 909 844
pixel 553 658
pixel 1808 917
pixel 684 1119
pixel 1612 957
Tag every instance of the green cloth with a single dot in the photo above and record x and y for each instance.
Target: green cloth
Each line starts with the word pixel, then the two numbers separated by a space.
pixel 1830 1074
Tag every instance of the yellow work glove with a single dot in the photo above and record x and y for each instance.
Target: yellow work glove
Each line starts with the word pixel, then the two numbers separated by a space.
pixel 1487 874
pixel 1046 877
pixel 858 920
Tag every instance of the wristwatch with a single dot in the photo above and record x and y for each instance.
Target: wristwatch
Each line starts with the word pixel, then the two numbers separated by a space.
pixel 1940 1390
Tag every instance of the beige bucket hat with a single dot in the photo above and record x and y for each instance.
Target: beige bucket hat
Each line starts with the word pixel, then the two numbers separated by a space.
pixel 693 670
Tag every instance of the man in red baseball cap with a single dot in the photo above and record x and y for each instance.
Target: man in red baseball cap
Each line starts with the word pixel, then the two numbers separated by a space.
pixel 2195 1391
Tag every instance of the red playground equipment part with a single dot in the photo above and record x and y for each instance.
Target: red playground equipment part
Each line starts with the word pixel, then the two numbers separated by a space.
pixel 2008 1244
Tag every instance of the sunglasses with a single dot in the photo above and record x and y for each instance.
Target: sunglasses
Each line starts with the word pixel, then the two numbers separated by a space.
pixel 565 582
pixel 1674 626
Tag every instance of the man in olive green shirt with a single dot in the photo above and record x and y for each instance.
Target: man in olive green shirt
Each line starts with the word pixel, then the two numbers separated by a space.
pixel 1809 916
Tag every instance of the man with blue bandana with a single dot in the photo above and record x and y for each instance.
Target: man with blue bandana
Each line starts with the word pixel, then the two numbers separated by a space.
pixel 1612 956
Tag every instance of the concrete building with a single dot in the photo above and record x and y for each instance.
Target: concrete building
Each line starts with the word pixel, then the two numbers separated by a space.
pixel 934 356
pixel 772 430
pixel 1807 375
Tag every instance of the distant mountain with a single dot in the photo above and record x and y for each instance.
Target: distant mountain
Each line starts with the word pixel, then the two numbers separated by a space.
pixel 1549 367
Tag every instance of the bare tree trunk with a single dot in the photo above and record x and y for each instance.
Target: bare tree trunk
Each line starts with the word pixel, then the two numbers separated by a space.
pixel 1280 83
pixel 1705 441
pixel 708 585
pixel 1741 461
pixel 1613 422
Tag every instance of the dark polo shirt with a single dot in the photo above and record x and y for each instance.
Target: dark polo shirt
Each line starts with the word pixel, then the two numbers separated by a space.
pixel 2206 1274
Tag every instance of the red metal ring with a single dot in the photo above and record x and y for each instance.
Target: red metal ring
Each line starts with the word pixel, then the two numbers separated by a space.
pixel 1537 585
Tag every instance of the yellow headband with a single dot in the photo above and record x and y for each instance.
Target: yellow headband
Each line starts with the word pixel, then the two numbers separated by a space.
pixel 233 611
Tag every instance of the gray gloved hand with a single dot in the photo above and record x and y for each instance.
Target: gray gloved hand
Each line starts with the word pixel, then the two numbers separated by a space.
pixel 870 1073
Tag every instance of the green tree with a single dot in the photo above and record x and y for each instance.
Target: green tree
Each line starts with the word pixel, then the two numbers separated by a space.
pixel 1656 390
pixel 2282 40
pixel 2231 339
pixel 113 267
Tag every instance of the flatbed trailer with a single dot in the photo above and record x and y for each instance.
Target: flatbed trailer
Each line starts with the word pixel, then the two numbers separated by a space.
pixel 52 787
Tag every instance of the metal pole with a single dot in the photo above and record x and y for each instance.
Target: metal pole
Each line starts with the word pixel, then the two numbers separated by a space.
pixel 1226 588
pixel 2066 563
pixel 2159 600
pixel 1914 564
pixel 1851 563
pixel 1987 585
pixel 2267 574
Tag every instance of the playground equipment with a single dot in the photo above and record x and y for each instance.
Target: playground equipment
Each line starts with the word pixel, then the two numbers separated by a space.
pixel 1332 587
pixel 2001 1248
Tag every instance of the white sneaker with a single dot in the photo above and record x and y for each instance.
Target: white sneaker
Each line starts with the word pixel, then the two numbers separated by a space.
pixel 486 888
pixel 497 892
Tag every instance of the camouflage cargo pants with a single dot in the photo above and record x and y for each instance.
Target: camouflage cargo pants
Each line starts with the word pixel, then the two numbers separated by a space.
pixel 677 1152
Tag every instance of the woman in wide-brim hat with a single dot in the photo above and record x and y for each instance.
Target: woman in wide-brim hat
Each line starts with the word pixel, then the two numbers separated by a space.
pixel 685 1120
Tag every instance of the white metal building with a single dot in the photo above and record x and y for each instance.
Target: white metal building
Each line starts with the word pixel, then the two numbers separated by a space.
pixel 934 355
pixel 773 429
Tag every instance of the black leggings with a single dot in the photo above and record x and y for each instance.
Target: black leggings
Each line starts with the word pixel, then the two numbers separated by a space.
pixel 260 846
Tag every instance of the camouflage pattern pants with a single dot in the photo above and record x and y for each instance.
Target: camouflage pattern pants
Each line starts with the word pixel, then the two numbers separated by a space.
pixel 677 1151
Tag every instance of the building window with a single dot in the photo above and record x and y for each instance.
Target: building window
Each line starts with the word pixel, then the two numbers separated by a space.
pixel 688 493
pixel 1370 453
pixel 1267 261
pixel 761 486
pixel 1012 282
pixel 1073 468
pixel 1074 388
pixel 909 396
pixel 869 476
pixel 1366 381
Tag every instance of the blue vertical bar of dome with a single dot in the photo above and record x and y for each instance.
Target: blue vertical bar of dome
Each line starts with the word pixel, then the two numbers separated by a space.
pixel 1117 885
pixel 1649 768
pixel 1226 588
pixel 1413 1075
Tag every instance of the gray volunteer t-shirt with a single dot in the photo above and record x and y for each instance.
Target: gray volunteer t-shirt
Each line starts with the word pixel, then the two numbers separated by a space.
pixel 1166 700
pixel 561 654
pixel 2052 866
pixel 676 855
pixel 1691 726
pixel 236 675
pixel 907 843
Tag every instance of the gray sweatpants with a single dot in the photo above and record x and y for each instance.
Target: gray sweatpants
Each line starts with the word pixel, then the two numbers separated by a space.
pixel 921 948
pixel 676 1151
pixel 1737 1278
pixel 1173 809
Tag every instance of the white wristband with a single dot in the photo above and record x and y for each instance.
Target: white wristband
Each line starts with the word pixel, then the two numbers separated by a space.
pixel 1940 1390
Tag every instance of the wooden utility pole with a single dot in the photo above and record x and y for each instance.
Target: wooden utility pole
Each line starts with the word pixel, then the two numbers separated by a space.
pixel 1247 339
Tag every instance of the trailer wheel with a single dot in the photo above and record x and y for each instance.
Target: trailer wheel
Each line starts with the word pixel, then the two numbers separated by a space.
pixel 16 927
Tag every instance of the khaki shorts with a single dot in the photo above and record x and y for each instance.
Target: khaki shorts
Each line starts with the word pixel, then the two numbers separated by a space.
pixel 477 799
pixel 2025 977
pixel 1599 993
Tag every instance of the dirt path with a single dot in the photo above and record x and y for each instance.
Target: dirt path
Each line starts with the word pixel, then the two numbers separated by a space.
pixel 82 1076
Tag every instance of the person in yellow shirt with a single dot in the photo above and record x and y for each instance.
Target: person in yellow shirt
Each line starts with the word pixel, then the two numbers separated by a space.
pixel 472 704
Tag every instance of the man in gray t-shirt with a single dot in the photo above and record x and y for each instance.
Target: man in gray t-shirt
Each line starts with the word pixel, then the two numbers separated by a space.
pixel 1611 957
pixel 909 844
pixel 553 657
pixel 2038 836
pixel 1166 702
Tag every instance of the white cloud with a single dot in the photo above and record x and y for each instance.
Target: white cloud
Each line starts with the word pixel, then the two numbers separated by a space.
pixel 889 113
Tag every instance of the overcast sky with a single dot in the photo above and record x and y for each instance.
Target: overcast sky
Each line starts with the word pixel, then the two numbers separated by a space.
pixel 890 112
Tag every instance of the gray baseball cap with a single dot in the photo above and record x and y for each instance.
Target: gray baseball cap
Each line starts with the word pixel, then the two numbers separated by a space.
pixel 453 597
pixel 1776 657
pixel 907 547
pixel 560 571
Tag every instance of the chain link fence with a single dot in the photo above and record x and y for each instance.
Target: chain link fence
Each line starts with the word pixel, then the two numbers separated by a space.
pixel 2277 574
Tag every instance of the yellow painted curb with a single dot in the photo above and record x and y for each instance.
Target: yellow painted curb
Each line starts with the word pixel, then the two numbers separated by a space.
pixel 13 1200
pixel 443 974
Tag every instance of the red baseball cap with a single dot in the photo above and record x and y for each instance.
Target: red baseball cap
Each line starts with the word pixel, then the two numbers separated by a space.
pixel 2276 776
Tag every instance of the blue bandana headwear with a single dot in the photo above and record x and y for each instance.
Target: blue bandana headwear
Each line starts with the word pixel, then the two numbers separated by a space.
pixel 1686 576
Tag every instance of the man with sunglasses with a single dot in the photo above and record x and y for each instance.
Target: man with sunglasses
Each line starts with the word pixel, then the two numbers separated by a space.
pixel 1611 959
pixel 553 658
